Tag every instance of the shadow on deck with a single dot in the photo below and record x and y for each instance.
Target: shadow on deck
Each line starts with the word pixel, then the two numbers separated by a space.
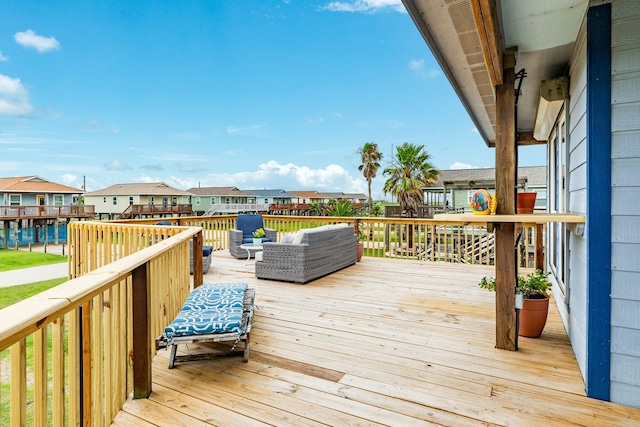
pixel 384 342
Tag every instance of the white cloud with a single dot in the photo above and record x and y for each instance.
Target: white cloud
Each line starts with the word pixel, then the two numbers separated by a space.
pixel 192 168
pixel 3 58
pixel 93 125
pixel 30 39
pixel 365 6
pixel 116 165
pixel 68 179
pixel 275 175
pixel 14 98
pixel 459 165
pixel 417 66
pixel 249 130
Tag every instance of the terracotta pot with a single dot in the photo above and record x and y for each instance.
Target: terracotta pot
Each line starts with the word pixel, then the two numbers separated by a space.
pixel 533 317
pixel 359 251
pixel 526 202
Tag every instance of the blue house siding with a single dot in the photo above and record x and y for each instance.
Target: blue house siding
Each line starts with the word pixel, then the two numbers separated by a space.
pixel 625 205
pixel 572 306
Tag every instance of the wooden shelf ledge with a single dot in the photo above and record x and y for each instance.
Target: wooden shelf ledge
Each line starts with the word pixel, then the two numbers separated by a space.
pixel 536 218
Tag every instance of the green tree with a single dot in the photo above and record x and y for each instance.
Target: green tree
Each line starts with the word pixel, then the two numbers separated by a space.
pixel 409 171
pixel 370 157
pixel 341 208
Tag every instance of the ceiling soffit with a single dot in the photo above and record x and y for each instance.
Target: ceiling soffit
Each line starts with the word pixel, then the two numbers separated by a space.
pixel 543 31
pixel 460 57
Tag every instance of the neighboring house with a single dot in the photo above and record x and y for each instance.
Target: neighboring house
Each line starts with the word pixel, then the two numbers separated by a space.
pixel 459 185
pixel 224 200
pixel 308 197
pixel 579 96
pixel 31 204
pixel 275 196
pixel 36 191
pixel 139 200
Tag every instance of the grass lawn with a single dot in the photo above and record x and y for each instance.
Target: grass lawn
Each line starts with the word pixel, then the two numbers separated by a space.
pixel 12 294
pixel 13 260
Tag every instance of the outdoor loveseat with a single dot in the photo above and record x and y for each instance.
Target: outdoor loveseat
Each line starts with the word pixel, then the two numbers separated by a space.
pixel 309 254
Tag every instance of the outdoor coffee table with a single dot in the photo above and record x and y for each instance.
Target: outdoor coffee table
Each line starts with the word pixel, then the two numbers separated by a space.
pixel 250 247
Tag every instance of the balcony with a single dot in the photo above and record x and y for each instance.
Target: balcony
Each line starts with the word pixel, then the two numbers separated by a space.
pixel 15 213
pixel 397 339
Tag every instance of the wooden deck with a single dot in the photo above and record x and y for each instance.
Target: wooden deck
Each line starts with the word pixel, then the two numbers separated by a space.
pixel 384 342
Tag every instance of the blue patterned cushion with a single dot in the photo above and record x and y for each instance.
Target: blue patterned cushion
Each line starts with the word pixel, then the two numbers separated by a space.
pixel 210 309
pixel 206 250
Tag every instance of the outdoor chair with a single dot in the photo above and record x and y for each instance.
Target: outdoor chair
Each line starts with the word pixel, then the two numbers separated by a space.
pixel 246 224
pixel 212 313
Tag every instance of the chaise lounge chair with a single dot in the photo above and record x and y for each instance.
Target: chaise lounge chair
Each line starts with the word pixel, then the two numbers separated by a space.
pixel 211 313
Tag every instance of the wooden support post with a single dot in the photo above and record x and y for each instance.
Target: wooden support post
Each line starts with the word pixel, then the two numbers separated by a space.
pixel 197 260
pixel 539 249
pixel 505 259
pixel 141 333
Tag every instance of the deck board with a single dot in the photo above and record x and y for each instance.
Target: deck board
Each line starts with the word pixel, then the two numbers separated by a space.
pixel 384 342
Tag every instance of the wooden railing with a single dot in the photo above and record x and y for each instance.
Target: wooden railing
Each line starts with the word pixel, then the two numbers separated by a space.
pixel 47 211
pixel 73 354
pixel 399 238
pixel 160 209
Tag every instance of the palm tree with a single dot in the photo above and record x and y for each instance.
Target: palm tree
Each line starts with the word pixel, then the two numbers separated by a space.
pixel 408 173
pixel 370 157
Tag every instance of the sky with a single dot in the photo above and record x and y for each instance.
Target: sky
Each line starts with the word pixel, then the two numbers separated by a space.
pixel 253 94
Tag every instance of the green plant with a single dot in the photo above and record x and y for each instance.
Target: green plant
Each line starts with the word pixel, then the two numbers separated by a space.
pixel 259 233
pixel 533 285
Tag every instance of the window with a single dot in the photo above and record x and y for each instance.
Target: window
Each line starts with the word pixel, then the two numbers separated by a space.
pixel 165 200
pixel 266 201
pixel 115 200
pixel 130 200
pixel 152 200
pixel 213 200
pixel 58 199
pixel 558 240
pixel 174 200
pixel 227 200
pixel 197 201
pixel 104 200
pixel 15 199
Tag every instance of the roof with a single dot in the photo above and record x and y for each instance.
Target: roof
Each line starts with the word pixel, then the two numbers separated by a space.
pixel 34 184
pixel 271 193
pixel 142 189
pixel 219 191
pixel 469 38
pixel 309 194
pixel 536 176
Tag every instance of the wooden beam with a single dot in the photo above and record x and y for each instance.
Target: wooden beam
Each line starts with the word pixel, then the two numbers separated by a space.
pixel 488 25
pixel 506 196
pixel 526 138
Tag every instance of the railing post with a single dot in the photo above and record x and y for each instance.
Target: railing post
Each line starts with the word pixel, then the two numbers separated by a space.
pixel 141 333
pixel 197 260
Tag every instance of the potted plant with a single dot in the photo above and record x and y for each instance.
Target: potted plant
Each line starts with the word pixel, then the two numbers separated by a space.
pixel 257 236
pixel 533 315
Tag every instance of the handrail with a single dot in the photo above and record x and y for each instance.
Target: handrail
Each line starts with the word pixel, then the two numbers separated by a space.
pixel 444 240
pixel 100 324
pixel 47 211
